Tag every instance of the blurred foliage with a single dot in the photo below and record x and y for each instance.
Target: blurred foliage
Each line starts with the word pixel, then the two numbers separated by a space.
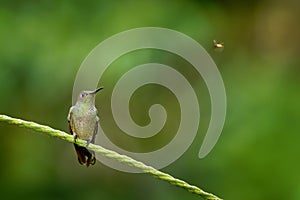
pixel 43 45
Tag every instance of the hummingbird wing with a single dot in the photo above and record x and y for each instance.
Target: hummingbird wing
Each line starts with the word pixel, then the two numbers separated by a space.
pixel 95 131
pixel 69 121
pixel 92 159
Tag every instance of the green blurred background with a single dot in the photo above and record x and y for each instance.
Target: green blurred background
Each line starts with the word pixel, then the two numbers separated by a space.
pixel 42 45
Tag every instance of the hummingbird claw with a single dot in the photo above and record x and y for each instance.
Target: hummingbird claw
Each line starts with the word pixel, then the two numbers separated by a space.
pixel 88 143
pixel 75 137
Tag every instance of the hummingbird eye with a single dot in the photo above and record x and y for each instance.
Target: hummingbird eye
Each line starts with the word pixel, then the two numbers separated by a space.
pixel 83 95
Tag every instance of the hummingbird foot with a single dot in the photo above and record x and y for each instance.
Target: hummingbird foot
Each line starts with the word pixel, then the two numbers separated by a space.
pixel 88 142
pixel 75 137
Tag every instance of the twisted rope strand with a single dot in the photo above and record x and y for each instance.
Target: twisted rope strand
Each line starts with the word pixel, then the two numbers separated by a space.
pixel 110 154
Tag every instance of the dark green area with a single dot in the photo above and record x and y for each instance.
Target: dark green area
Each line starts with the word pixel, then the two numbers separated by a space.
pixel 43 44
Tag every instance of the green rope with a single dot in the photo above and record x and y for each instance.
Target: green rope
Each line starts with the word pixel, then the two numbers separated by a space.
pixel 110 154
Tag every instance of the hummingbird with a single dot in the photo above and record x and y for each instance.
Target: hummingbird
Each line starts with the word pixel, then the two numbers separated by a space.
pixel 218 46
pixel 83 124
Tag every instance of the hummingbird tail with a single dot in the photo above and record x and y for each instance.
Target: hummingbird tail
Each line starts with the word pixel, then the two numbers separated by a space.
pixel 85 157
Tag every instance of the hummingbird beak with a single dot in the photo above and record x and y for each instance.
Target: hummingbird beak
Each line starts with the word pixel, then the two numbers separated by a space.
pixel 97 90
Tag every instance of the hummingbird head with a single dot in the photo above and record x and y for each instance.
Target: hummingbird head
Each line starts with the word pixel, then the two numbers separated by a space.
pixel 88 97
